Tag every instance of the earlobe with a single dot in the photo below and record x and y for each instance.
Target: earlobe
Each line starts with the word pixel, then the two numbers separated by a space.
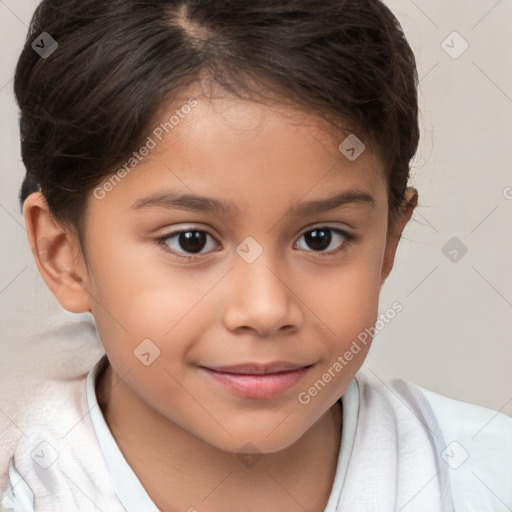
pixel 394 233
pixel 56 253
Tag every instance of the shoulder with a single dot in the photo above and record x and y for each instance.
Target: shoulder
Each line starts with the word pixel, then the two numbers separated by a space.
pixel 472 444
pixel 60 451
pixel 17 495
pixel 454 417
pixel 477 451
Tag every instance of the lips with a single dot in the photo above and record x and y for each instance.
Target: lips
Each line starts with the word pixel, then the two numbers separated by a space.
pixel 253 380
pixel 259 369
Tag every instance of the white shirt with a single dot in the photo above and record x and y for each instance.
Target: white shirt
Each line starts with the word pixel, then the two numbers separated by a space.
pixel 402 448
pixel 128 490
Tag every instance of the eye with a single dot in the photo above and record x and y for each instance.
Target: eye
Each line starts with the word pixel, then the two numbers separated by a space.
pixel 191 241
pixel 321 238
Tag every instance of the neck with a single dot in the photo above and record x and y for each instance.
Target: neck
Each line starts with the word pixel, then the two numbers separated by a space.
pixel 180 471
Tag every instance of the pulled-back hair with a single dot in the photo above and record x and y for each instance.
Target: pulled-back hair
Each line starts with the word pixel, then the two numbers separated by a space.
pixel 88 105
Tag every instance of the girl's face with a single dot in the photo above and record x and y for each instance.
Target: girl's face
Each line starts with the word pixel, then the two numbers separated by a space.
pixel 268 268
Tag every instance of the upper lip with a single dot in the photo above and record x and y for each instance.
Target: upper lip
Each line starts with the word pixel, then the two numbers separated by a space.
pixel 259 369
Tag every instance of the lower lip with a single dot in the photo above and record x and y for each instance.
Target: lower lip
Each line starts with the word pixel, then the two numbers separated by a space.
pixel 257 386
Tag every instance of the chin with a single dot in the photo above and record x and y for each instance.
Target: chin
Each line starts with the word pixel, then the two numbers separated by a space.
pixel 252 441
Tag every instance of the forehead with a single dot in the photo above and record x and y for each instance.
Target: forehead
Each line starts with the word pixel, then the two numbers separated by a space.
pixel 248 153
pixel 266 131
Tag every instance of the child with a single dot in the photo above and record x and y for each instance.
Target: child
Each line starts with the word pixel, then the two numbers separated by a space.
pixel 223 185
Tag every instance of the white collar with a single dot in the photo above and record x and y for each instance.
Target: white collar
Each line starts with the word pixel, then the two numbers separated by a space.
pixel 125 483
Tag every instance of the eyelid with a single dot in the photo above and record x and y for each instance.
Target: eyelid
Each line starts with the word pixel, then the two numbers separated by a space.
pixel 168 231
pixel 318 225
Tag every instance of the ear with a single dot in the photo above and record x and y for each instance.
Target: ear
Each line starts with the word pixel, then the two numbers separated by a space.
pixel 395 231
pixel 57 255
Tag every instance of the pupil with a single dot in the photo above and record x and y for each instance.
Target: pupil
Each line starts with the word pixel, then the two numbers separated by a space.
pixel 318 239
pixel 192 241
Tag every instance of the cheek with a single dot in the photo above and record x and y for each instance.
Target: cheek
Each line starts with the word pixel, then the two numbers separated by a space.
pixel 346 308
pixel 346 297
pixel 136 288
pixel 137 296
pixel 347 312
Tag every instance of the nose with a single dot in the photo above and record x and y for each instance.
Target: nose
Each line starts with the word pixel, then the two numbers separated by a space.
pixel 261 299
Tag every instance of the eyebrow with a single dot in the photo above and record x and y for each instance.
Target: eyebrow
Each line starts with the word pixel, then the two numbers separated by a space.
pixel 192 202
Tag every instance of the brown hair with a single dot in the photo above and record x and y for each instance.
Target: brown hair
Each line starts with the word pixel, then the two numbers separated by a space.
pixel 88 105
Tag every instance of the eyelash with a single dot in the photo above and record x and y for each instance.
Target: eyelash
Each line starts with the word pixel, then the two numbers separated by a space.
pixel 349 240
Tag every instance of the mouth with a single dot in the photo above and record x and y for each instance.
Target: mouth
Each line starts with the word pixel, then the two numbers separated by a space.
pixel 251 380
